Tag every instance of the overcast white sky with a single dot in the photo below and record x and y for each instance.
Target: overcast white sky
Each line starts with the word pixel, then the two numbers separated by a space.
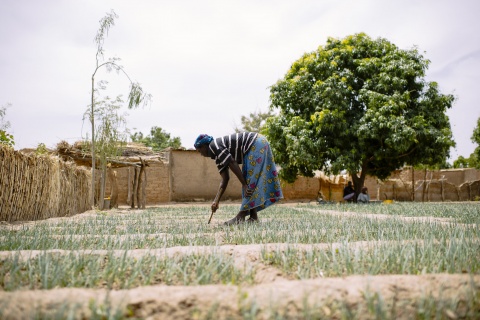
pixel 207 63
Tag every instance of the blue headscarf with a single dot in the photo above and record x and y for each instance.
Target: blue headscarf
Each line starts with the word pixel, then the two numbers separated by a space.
pixel 202 139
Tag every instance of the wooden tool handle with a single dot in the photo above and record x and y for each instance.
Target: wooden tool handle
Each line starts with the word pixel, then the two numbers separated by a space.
pixel 217 197
pixel 211 215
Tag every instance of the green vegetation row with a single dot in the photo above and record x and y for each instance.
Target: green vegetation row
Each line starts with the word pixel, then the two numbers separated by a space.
pixel 373 305
pixel 465 212
pixel 51 270
pixel 169 227
pixel 397 246
pixel 412 258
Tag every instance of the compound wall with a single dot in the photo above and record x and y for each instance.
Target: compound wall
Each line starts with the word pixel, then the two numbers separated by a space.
pixel 185 176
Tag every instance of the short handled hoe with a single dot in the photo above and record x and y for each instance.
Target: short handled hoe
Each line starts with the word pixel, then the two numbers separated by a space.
pixel 215 201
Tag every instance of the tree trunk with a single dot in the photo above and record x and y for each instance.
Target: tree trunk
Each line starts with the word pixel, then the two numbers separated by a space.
pixel 97 187
pixel 144 185
pixel 92 120
pixel 427 189
pixel 424 185
pixel 141 187
pixel 134 191
pixel 112 177
pixel 358 182
pixel 442 190
pixel 413 185
pixel 103 180
pixel 129 187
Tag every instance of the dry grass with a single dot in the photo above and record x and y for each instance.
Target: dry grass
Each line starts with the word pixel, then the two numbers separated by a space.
pixel 40 187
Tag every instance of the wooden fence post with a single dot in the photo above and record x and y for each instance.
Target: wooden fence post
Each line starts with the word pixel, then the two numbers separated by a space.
pixel 129 187
pixel 135 186
pixel 112 177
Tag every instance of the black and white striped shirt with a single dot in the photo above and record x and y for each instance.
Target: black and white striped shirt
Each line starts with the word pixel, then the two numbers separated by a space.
pixel 230 147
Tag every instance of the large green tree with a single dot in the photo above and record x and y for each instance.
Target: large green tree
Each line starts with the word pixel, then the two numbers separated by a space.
pixel 475 156
pixel 254 122
pixel 470 162
pixel 158 139
pixel 360 105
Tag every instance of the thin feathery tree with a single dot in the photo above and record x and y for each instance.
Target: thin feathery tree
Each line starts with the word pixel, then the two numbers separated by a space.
pixel 111 136
pixel 136 95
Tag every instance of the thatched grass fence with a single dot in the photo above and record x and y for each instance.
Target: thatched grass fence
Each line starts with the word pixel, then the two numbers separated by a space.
pixel 40 187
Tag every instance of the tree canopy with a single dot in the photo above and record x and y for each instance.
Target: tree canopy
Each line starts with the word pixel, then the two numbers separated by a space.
pixel 254 122
pixel 475 156
pixel 157 139
pixel 359 105
pixel 470 162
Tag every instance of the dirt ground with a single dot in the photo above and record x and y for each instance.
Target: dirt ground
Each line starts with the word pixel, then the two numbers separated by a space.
pixel 272 295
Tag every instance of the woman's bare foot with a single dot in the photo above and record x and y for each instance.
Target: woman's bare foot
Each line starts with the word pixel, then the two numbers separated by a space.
pixel 239 218
pixel 253 216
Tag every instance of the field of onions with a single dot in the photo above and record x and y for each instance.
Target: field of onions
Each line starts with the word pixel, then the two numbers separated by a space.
pixel 302 261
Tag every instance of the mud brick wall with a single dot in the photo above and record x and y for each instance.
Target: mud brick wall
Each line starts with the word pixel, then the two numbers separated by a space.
pixel 196 178
pixel 157 187
pixel 302 188
pixel 158 184
pixel 332 192
pixel 395 189
pixel 187 176
pixel 312 188
pixel 457 177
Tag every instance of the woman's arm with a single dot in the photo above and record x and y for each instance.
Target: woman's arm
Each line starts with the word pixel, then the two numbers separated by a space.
pixel 223 185
pixel 233 165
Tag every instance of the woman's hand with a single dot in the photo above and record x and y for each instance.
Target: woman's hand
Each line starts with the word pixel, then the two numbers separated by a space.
pixel 247 191
pixel 214 206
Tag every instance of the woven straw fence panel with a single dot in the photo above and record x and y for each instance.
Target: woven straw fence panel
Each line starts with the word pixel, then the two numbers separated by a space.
pixel 41 187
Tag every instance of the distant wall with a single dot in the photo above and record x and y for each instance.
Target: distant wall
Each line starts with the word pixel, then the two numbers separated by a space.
pixel 313 188
pixel 157 188
pixel 187 176
pixel 302 188
pixel 428 185
pixel 194 177
pixel 36 188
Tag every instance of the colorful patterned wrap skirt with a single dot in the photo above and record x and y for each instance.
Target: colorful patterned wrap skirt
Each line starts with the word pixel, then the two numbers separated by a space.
pixel 260 174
